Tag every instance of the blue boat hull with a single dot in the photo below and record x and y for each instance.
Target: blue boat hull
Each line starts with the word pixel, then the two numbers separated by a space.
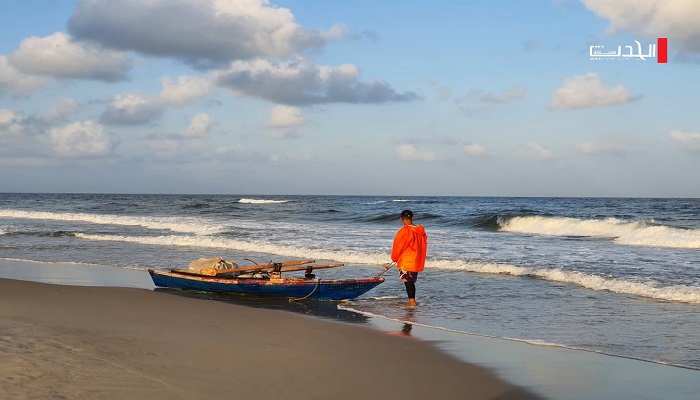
pixel 331 289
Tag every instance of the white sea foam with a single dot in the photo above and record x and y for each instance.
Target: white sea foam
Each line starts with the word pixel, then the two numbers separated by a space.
pixel 179 224
pixel 58 263
pixel 662 236
pixel 347 256
pixel 401 201
pixel 680 293
pixel 262 201
pixel 627 233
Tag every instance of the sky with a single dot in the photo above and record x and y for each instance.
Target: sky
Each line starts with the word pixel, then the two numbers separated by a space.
pixel 489 98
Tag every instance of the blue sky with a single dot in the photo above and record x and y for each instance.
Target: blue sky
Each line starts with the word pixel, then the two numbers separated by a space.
pixel 348 97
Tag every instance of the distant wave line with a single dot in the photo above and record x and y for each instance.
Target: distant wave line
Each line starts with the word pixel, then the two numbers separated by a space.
pixel 174 224
pixel 262 201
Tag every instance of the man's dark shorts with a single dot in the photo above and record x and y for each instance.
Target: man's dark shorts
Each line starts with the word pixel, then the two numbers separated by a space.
pixel 408 276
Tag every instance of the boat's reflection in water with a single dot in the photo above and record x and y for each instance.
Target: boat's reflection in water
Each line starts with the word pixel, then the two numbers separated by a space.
pixel 318 308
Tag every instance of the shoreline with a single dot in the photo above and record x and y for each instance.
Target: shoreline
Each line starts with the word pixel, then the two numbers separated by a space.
pixel 111 342
pixel 551 372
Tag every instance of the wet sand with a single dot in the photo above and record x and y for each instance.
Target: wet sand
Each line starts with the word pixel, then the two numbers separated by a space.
pixel 87 342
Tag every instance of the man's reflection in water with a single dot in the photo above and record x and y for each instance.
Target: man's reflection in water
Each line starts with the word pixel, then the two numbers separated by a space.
pixel 408 318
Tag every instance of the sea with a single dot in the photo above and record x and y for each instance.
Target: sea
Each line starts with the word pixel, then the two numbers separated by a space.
pixel 618 276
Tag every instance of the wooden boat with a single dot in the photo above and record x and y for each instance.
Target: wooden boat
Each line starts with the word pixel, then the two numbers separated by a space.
pixel 267 280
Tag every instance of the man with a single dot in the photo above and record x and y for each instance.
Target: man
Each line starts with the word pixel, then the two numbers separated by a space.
pixel 409 250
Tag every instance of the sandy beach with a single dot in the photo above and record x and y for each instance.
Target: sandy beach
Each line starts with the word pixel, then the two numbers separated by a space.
pixel 113 343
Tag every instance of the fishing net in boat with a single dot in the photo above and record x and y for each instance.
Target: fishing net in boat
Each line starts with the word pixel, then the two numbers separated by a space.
pixel 216 263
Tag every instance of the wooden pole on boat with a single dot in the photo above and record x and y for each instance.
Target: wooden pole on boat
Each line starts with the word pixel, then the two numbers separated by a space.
pixel 312 267
pixel 217 272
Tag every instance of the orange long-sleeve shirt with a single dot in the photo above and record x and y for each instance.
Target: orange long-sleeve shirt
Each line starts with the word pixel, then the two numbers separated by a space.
pixel 410 248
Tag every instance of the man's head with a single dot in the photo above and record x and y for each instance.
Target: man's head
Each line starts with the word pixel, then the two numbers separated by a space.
pixel 407 215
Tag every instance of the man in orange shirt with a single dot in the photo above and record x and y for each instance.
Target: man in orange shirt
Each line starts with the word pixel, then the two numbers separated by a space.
pixel 409 251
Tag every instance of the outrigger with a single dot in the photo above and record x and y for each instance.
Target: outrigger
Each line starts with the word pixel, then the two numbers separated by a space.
pixel 226 277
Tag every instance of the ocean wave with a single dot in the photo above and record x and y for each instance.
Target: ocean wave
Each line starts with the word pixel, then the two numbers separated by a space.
pixel 184 225
pixel 394 217
pixel 37 233
pixel 262 201
pixel 345 256
pixel 680 293
pixel 640 233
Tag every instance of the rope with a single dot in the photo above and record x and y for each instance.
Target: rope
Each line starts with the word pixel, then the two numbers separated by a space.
pixel 318 282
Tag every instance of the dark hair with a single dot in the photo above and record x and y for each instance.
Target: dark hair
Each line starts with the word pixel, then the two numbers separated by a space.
pixel 406 214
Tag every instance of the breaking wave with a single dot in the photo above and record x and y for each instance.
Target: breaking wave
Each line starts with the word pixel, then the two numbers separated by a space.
pixel 639 233
pixel 262 201
pixel 180 224
pixel 245 246
pixel 680 293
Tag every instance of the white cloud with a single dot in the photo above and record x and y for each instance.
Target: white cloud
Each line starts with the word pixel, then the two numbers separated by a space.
pixel 282 116
pixel 199 32
pixel 63 108
pixel 282 121
pixel 505 97
pixel 300 82
pixel 184 91
pixel 16 82
pixel 59 57
pixel 81 140
pixel 535 151
pixel 675 19
pixel 588 91
pixel 199 127
pixel 407 152
pixel 688 140
pixel 7 116
pixel 10 123
pixel 474 150
pixel 131 109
